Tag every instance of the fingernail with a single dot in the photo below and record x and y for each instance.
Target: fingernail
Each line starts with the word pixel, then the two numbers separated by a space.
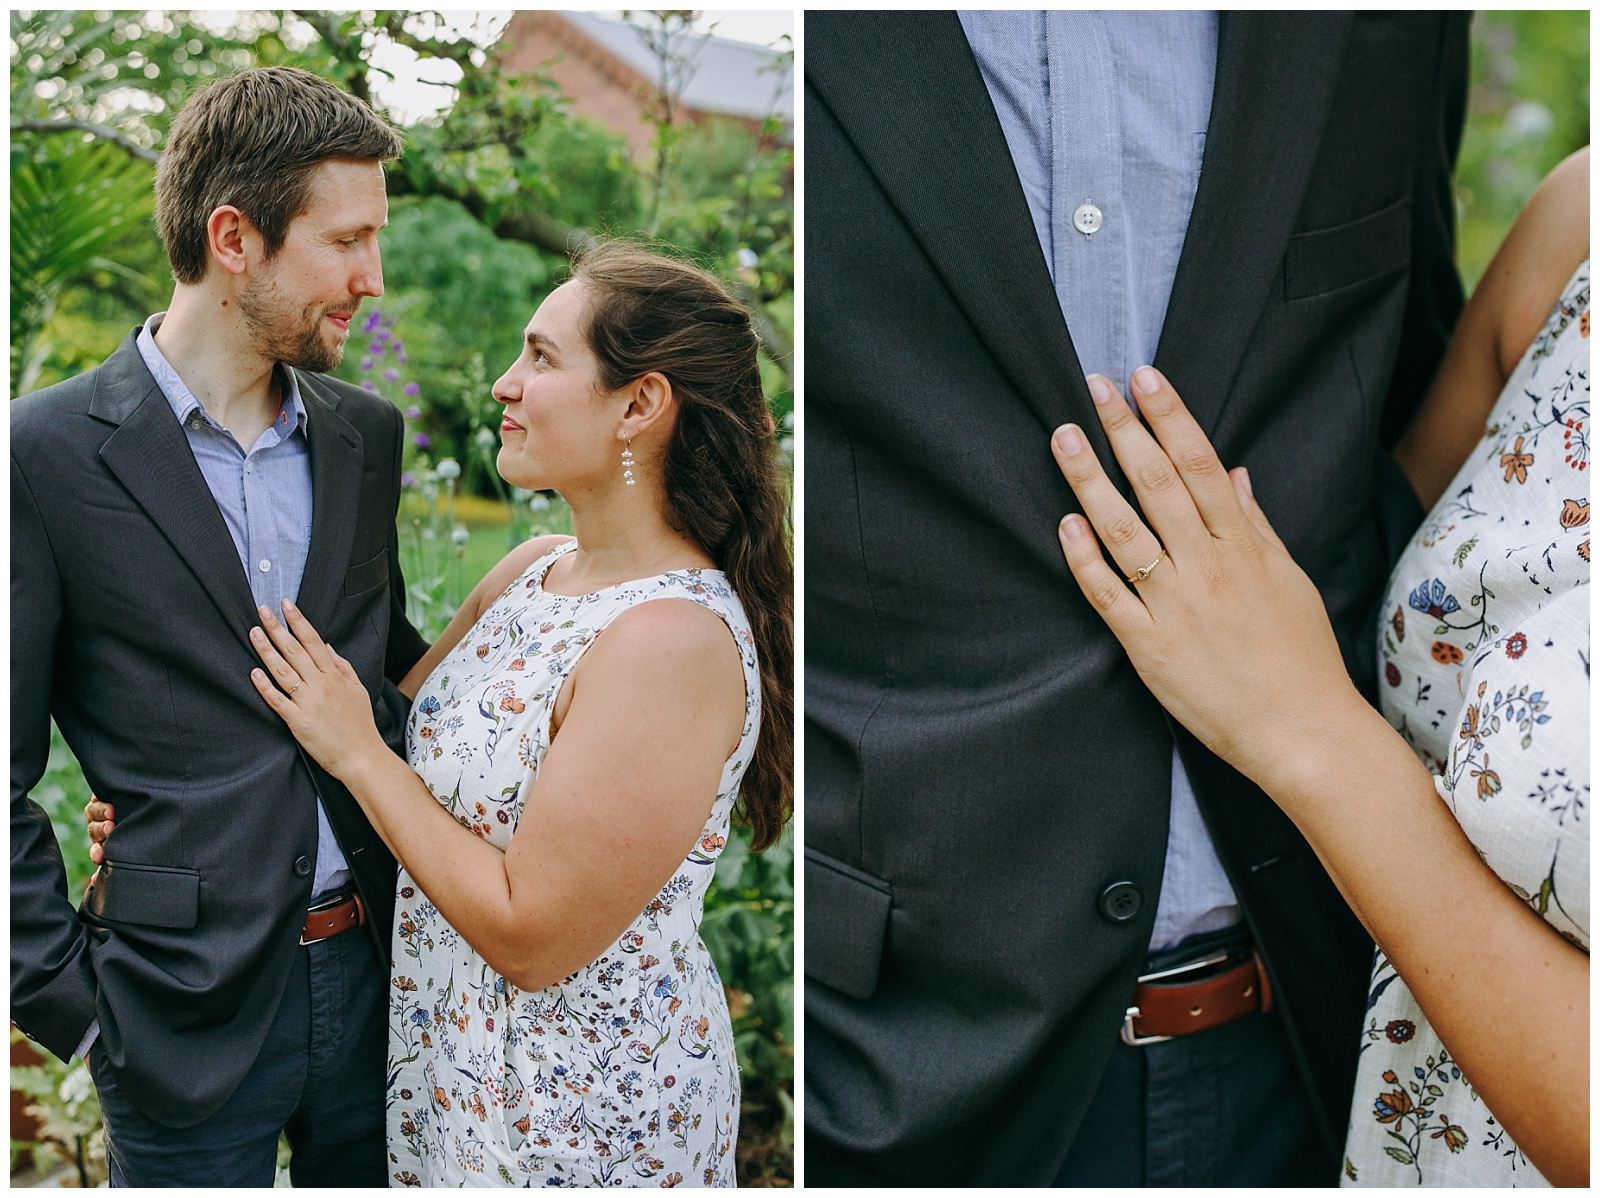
pixel 1071 528
pixel 257 635
pixel 1147 380
pixel 1070 440
pixel 288 605
pixel 264 612
pixel 1100 388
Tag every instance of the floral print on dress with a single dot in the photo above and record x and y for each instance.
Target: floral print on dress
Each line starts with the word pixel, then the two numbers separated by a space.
pixel 1485 662
pixel 622 1074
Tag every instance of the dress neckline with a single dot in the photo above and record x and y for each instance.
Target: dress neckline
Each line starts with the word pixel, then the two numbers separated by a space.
pixel 549 560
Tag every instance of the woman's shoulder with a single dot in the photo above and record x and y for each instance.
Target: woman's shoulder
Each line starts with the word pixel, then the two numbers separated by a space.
pixel 1546 245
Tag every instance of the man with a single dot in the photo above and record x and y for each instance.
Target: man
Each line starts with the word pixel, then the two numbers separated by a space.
pixel 1025 887
pixel 226 976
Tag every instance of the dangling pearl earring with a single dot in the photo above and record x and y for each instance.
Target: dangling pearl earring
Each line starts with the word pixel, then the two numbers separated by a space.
pixel 627 461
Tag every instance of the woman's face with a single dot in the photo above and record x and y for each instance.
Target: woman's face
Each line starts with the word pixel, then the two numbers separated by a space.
pixel 559 431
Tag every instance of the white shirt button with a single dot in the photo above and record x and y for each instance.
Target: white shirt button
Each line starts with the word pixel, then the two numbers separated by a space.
pixel 195 423
pixel 1087 219
pixel 249 467
pixel 265 565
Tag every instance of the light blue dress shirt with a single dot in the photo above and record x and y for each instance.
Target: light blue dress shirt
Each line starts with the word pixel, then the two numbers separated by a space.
pixel 1105 115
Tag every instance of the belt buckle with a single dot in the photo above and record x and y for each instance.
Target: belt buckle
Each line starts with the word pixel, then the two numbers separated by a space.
pixel 1130 1037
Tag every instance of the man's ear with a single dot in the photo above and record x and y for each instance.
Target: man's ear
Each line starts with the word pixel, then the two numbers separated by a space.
pixel 233 239
pixel 650 399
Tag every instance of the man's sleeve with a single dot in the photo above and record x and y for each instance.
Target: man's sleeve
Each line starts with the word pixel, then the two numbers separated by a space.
pixel 52 979
pixel 406 645
pixel 1436 299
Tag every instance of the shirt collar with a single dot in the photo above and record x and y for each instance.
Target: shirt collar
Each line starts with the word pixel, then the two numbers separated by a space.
pixel 291 414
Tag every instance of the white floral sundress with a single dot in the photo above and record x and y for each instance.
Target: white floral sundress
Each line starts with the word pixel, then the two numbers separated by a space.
pixel 1485 671
pixel 623 1073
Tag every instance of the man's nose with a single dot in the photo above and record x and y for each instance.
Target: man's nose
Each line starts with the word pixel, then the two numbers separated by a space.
pixel 369 278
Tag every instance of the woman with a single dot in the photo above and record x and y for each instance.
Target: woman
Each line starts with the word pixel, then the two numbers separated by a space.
pixel 1479 904
pixel 579 736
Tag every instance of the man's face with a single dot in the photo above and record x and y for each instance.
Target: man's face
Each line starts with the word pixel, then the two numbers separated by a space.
pixel 298 305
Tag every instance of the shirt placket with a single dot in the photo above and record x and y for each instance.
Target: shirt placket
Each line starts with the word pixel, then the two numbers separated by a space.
pixel 1088 216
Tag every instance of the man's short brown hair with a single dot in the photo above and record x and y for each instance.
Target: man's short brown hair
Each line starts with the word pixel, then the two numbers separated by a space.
pixel 252 140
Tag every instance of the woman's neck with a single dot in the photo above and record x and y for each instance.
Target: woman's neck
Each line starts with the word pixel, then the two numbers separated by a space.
pixel 622 535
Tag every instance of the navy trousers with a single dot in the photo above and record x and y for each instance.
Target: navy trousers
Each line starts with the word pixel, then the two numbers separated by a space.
pixel 320 1079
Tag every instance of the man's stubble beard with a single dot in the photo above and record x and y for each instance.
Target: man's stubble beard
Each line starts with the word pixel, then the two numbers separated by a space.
pixel 293 338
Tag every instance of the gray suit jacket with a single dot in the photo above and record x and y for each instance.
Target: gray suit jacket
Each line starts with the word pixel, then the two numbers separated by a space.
pixel 129 625
pixel 981 760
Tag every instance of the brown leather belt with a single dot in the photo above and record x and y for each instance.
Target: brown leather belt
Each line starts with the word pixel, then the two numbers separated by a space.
pixel 1175 1002
pixel 332 918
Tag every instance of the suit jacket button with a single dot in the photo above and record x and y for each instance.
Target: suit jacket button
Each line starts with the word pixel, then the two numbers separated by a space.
pixel 1120 901
pixel 302 866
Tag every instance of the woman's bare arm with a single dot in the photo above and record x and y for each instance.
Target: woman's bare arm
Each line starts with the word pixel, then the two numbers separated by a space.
pixel 1512 301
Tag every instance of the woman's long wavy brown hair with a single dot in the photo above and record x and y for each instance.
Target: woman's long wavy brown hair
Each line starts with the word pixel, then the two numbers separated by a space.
pixel 649 313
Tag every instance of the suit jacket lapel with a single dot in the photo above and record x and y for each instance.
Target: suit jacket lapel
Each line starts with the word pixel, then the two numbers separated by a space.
pixel 1276 74
pixel 335 496
pixel 151 457
pixel 907 92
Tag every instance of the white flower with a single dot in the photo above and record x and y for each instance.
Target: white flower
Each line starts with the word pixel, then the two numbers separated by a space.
pixel 75 1086
pixel 459 535
pixel 747 257
pixel 539 503
pixel 486 438
pixel 449 470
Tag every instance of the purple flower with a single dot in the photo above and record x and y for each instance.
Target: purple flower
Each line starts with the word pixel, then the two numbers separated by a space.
pixel 384 334
pixel 399 354
pixel 391 374
pixel 368 384
pixel 413 411
pixel 372 321
pixel 422 440
pixel 412 389
pixel 408 479
pixel 375 348
pixel 399 346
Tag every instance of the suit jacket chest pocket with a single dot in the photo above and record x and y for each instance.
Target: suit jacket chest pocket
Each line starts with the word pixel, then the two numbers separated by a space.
pixel 362 580
pixel 1322 260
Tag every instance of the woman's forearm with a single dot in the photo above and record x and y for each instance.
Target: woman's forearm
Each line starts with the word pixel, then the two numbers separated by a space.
pixel 1505 993
pixel 463 875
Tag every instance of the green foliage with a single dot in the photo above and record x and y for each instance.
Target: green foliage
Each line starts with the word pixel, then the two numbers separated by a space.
pixel 1529 109
pixel 63 793
pixel 69 201
pixel 749 929
pixel 63 1099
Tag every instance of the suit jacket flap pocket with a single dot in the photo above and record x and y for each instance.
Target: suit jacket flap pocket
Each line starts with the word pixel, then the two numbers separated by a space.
pixel 144 894
pixel 847 915
pixel 1325 260
pixel 368 576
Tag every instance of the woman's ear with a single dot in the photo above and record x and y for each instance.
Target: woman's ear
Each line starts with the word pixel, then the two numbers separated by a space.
pixel 650 399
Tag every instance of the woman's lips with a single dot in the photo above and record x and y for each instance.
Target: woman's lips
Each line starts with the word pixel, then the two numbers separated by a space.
pixel 509 425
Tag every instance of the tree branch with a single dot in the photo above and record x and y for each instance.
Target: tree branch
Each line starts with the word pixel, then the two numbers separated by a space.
pixel 102 132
